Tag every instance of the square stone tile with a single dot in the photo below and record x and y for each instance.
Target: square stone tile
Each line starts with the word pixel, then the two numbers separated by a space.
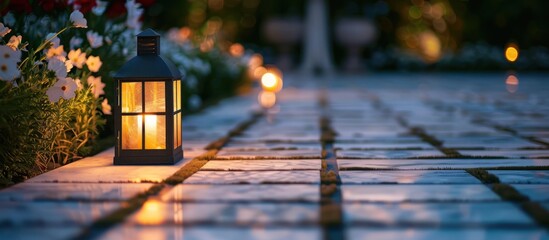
pixel 399 193
pixel 247 146
pixel 536 192
pixel 382 145
pixel 155 212
pixel 436 214
pixel 361 233
pixel 231 193
pixel 209 232
pixel 350 164
pixel 387 154
pixel 40 213
pixel 487 142
pixel 63 191
pixel 41 232
pixel 254 177
pixel 272 154
pixel 263 164
pixel 507 153
pixel 522 176
pixel 409 176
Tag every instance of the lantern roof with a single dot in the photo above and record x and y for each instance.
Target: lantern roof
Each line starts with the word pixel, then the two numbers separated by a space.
pixel 148 63
pixel 148 66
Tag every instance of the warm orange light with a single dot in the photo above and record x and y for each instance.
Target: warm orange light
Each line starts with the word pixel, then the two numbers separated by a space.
pixel 258 72
pixel 272 80
pixel 268 80
pixel 236 50
pixel 266 99
pixel 511 83
pixel 150 213
pixel 430 46
pixel 511 53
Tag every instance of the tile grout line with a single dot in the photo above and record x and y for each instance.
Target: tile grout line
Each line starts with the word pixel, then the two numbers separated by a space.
pixel 131 205
pixel 331 210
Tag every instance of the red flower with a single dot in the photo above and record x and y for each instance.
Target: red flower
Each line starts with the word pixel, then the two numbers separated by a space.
pixel 18 6
pixel 116 8
pixel 50 5
pixel 84 5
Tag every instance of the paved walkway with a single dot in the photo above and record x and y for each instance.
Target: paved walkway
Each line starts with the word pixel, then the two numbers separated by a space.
pixel 388 156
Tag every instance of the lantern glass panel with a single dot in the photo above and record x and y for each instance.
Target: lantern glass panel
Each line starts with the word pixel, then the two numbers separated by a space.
pixel 131 97
pixel 155 131
pixel 132 132
pixel 177 130
pixel 155 97
pixel 176 95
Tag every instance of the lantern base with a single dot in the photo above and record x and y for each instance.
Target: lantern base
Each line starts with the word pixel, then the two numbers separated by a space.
pixel 150 160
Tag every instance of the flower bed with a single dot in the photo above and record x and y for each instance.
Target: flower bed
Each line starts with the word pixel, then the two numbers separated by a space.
pixel 57 59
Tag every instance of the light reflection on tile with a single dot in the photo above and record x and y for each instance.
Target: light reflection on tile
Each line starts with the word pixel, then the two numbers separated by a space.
pixel 227 193
pixel 63 191
pixel 40 213
pixel 254 177
pixel 397 193
pixel 209 232
pixel 263 164
pixel 436 213
pixel 156 213
pixel 408 176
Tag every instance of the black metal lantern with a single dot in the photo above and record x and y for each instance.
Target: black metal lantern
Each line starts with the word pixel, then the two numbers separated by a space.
pixel 148 108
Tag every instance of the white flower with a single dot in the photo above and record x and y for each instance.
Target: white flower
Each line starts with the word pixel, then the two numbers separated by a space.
pixel 15 41
pixel 58 67
pixel 8 71
pixel 78 20
pixel 96 85
pixel 94 63
pixel 75 42
pixel 95 39
pixel 99 9
pixel 4 30
pixel 106 107
pixel 64 88
pixel 9 19
pixel 55 41
pixel 9 55
pixel 77 58
pixel 134 14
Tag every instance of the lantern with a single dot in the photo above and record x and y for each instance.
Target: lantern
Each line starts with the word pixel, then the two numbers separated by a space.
pixel 148 108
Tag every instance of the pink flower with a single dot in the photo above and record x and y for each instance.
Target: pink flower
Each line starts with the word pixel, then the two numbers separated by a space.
pixel 106 107
pixel 96 85
pixel 94 63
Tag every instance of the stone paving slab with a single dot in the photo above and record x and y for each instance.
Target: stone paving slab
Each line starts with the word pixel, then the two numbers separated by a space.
pixel 447 234
pixel 388 154
pixel 66 214
pixel 437 163
pixel 522 176
pixel 419 193
pixel 72 191
pixel 537 192
pixel 408 177
pixel 210 232
pixel 244 193
pixel 255 177
pixel 437 214
pixel 263 164
pixel 266 154
pixel 161 213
